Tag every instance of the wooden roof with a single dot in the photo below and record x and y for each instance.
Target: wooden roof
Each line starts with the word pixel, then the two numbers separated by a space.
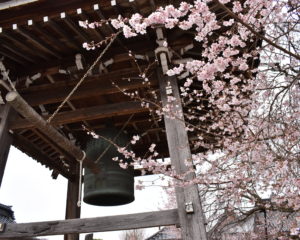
pixel 44 37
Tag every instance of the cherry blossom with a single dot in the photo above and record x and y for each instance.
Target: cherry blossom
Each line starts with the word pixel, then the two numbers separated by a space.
pixel 244 117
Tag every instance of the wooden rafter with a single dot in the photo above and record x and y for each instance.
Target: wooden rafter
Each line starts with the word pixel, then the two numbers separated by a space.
pixel 47 48
pixel 12 56
pixel 16 101
pixel 26 146
pixel 75 27
pixel 58 28
pixel 24 46
pixel 7 45
pixel 53 40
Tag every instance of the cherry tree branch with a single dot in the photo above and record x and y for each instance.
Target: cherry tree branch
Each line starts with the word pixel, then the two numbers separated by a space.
pixel 251 29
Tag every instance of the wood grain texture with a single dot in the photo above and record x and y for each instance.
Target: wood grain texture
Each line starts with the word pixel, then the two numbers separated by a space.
pixel 20 105
pixel 35 152
pixel 96 112
pixel 89 225
pixel 72 209
pixel 192 224
pixel 93 86
pixel 5 138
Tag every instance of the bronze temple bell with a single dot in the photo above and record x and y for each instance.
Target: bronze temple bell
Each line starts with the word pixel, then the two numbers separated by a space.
pixel 113 185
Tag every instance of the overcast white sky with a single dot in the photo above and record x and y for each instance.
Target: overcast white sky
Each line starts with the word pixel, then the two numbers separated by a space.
pixel 35 196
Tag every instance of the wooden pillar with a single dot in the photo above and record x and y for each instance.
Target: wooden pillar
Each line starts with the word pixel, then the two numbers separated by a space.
pixel 72 210
pixel 5 137
pixel 191 219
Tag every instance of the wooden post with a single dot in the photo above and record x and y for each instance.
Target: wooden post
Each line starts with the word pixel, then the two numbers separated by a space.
pixel 5 138
pixel 72 210
pixel 190 211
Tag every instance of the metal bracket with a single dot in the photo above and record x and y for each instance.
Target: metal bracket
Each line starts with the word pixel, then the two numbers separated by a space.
pixel 2 227
pixel 189 207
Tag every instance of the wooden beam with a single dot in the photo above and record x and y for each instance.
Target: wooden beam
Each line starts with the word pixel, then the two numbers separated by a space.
pixel 84 114
pixel 54 146
pixel 72 209
pixel 111 30
pixel 12 56
pixel 47 48
pixel 93 86
pixel 192 223
pixel 19 104
pixel 90 225
pixel 83 16
pixel 75 27
pixel 63 33
pixel 32 150
pixel 36 11
pixel 54 40
pixel 5 138
pixel 16 51
pixel 25 46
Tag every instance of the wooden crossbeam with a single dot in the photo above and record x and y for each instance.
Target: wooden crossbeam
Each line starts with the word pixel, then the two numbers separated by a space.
pixel 78 115
pixel 95 86
pixel 89 225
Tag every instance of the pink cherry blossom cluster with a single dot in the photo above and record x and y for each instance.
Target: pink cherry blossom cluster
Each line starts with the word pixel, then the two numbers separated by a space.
pixel 243 119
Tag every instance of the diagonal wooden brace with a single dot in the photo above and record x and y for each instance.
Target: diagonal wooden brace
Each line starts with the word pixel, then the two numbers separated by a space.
pixel 22 107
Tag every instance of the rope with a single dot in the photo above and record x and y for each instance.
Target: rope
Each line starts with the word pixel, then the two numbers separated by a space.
pixel 6 76
pixel 83 78
pixel 114 139
pixel 80 179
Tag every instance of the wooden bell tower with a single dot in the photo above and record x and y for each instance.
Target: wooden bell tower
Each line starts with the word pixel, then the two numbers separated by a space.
pixel 41 43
